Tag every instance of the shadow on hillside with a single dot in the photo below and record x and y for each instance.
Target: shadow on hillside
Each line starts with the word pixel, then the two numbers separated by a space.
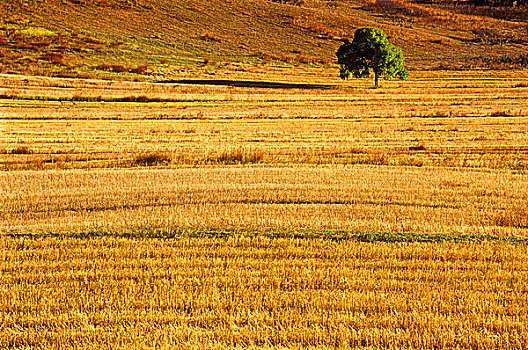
pixel 248 84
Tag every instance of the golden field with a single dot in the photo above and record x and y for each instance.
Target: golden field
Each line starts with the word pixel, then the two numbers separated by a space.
pixel 260 293
pixel 313 214
pixel 358 199
pixel 194 175
pixel 428 155
pixel 445 119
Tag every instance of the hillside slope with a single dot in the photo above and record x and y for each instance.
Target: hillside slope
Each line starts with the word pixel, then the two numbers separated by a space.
pixel 135 37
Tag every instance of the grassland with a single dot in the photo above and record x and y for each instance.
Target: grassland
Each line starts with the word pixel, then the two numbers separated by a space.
pixel 360 198
pixel 218 187
pixel 121 39
pixel 398 159
pixel 471 119
pixel 312 214
pixel 242 292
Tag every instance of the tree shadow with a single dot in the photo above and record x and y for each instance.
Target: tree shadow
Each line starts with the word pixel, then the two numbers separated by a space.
pixel 249 84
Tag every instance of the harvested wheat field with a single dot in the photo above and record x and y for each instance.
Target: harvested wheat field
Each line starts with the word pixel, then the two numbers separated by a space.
pixel 257 292
pixel 183 174
pixel 351 198
pixel 288 213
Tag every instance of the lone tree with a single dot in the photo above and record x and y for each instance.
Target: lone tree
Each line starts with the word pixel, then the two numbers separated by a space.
pixel 370 49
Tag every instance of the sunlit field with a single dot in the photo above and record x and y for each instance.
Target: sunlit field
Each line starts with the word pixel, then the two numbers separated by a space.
pixel 471 119
pixel 244 292
pixel 351 198
pixel 271 210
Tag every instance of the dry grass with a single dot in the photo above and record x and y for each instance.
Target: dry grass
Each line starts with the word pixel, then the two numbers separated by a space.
pixel 210 293
pixel 307 158
pixel 350 198
pixel 426 158
pixel 20 150
pixel 74 38
pixel 471 120
pixel 238 156
pixel 153 158
pixel 441 156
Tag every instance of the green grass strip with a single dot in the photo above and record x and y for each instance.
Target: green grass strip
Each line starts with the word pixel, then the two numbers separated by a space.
pixel 333 235
pixel 141 99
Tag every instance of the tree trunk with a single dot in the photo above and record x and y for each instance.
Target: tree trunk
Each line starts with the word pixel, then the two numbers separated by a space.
pixel 376 78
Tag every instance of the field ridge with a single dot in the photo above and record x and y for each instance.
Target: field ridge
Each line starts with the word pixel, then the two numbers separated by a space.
pixel 333 235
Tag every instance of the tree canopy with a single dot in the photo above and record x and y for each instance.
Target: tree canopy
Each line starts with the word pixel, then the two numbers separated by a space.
pixel 370 50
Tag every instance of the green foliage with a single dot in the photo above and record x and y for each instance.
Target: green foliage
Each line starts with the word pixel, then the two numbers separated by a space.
pixel 168 232
pixel 370 50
